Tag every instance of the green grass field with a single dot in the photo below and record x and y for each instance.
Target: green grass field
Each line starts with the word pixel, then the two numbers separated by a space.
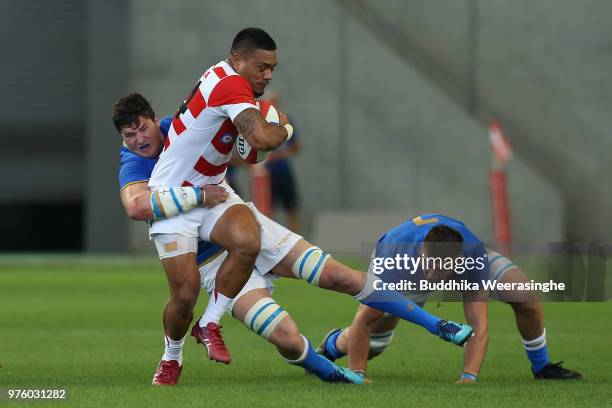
pixel 93 327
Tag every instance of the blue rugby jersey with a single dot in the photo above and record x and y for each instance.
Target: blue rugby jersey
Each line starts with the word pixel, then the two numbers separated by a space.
pixel 407 238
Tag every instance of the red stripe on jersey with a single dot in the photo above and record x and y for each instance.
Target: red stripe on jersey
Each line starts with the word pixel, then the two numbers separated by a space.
pixel 231 90
pixel 178 125
pixel 166 142
pixel 208 169
pixel 224 139
pixel 220 72
pixel 197 103
pixel 186 184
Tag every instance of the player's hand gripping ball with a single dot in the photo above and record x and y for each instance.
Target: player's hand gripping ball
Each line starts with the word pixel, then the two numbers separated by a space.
pixel 242 147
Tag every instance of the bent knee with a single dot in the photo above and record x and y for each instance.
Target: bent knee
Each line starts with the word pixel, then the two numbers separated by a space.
pixel 185 297
pixel 287 337
pixel 245 243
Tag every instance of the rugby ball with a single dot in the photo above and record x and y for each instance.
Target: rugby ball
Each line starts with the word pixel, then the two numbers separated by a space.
pixel 242 147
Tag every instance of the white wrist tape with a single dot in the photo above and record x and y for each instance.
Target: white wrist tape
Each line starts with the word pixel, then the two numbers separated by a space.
pixel 169 202
pixel 289 129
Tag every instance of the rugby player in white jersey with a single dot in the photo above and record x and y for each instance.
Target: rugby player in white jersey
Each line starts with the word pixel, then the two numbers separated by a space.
pixel 196 152
pixel 283 252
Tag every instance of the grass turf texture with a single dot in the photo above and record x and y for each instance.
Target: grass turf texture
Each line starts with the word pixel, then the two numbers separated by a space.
pixel 94 328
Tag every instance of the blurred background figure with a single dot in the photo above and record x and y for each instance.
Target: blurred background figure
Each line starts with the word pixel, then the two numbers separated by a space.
pixel 284 191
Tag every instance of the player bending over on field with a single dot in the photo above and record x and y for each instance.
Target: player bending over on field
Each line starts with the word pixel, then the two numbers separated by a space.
pixel 372 330
pixel 282 252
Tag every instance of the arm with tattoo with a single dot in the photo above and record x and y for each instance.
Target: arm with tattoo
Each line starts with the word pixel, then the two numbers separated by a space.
pixel 260 134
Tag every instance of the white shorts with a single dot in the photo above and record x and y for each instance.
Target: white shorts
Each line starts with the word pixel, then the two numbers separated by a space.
pixel 276 242
pixel 208 273
pixel 198 222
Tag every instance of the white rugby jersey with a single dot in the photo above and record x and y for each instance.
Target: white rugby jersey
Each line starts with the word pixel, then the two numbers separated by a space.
pixel 199 144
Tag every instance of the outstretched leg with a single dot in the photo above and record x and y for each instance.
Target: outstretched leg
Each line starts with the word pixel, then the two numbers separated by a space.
pixel 308 262
pixel 261 314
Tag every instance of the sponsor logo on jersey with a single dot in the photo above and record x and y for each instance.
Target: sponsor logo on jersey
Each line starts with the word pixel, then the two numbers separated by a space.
pixel 227 138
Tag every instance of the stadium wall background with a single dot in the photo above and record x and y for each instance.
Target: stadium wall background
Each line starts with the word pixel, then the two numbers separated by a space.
pixel 379 130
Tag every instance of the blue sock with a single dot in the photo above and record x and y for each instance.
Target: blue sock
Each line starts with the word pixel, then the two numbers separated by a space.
pixel 315 363
pixel 537 352
pixel 538 358
pixel 330 345
pixel 400 306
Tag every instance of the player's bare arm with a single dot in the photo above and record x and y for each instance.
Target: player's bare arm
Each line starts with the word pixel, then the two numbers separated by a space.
pixel 260 134
pixel 359 337
pixel 138 200
pixel 476 313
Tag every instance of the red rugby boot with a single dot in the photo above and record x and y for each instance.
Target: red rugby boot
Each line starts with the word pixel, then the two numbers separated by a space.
pixel 168 373
pixel 210 337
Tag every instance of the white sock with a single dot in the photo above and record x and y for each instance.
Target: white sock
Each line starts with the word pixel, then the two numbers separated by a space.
pixel 535 344
pixel 174 349
pixel 217 305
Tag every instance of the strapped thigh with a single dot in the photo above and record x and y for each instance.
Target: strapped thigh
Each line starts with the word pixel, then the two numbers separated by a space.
pixel 264 316
pixel 310 265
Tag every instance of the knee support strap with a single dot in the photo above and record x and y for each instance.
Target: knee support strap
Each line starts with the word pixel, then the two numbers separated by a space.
pixel 310 265
pixel 264 316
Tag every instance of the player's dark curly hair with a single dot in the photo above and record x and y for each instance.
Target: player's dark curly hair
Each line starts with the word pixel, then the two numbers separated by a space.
pixel 442 241
pixel 251 39
pixel 128 108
